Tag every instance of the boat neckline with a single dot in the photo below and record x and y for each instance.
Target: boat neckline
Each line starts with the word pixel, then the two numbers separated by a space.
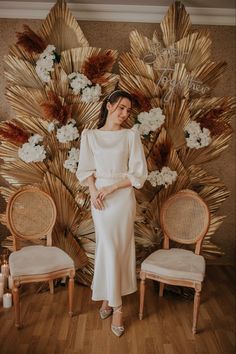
pixel 111 131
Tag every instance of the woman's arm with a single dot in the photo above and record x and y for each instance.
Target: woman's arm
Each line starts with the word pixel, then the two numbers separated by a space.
pixel 104 191
pixel 94 193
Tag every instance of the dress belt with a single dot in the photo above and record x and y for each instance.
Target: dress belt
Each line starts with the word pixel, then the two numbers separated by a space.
pixel 111 175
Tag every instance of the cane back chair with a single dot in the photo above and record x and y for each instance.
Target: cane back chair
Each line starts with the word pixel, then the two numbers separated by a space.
pixel 31 215
pixel 185 219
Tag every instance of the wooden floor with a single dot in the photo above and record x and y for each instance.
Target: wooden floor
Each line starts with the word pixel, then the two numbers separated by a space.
pixel 166 327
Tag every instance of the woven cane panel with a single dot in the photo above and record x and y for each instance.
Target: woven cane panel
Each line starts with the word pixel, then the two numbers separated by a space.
pixel 185 219
pixel 32 214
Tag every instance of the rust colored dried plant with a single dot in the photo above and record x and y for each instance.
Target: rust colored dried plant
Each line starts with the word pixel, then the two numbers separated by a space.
pixel 141 101
pixel 213 121
pixel 96 66
pixel 30 41
pixel 53 109
pixel 13 133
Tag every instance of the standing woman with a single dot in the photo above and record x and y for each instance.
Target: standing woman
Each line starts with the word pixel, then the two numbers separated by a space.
pixel 111 163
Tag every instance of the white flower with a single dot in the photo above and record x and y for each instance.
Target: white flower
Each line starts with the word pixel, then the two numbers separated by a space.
pixel 164 177
pixel 150 121
pixel 44 64
pixel 78 82
pixel 67 133
pixel 197 137
pixel 91 94
pixel 51 127
pixel 71 163
pixel 35 139
pixel 31 152
pixel 81 85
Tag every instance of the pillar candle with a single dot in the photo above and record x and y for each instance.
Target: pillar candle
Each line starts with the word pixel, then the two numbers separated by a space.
pixel 5 269
pixel 7 300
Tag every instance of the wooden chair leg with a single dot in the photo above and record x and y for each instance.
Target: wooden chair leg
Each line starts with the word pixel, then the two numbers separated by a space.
pixel 161 289
pixel 71 295
pixel 196 309
pixel 16 300
pixel 51 286
pixel 142 295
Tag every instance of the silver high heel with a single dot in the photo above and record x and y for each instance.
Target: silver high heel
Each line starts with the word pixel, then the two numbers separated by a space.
pixel 104 313
pixel 117 330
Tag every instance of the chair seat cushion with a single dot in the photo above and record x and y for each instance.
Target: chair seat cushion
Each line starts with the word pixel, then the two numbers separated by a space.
pixel 38 260
pixel 175 263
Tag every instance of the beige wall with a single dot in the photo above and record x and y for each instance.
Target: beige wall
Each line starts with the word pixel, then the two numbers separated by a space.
pixel 116 36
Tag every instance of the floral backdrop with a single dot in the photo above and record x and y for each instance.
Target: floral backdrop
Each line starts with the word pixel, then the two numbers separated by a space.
pixel 56 83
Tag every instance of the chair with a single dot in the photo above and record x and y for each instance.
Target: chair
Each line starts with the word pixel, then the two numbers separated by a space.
pixel 185 219
pixel 31 215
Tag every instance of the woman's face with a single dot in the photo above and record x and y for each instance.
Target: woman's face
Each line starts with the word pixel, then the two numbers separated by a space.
pixel 119 111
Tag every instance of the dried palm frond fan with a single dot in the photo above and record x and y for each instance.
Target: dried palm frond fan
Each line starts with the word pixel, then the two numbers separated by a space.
pixel 183 127
pixel 55 84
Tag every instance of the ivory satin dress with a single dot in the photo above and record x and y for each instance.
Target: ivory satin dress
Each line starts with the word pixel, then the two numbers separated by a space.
pixel 112 156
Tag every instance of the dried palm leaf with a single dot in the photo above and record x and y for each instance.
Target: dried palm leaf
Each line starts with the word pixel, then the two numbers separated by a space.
pixel 140 45
pixel 21 53
pixel 33 124
pixel 138 83
pixel 208 74
pixel 214 196
pixel 68 213
pixel 177 117
pixel 21 73
pixel 20 173
pixel 86 113
pixel 25 101
pixel 7 192
pixel 72 60
pixel 61 29
pixel 69 180
pixel 198 156
pixel 146 236
pixel 65 240
pixel 176 24
pixel 129 64
pixel 3 219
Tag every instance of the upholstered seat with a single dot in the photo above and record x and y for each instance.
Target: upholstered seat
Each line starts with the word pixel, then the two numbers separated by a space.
pixel 38 260
pixel 185 219
pixel 175 263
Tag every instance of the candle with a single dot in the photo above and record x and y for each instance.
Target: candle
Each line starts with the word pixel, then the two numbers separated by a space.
pixel 7 300
pixel 5 269
pixel 10 282
pixel 1 290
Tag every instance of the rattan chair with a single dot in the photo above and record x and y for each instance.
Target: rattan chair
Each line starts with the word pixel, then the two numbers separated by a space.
pixel 185 219
pixel 31 215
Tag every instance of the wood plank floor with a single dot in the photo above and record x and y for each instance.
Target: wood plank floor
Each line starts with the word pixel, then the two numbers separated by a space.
pixel 165 329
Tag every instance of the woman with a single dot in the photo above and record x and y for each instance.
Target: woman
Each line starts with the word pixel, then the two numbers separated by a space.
pixel 111 162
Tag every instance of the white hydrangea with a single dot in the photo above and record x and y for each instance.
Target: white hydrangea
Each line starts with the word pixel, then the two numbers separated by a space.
pixel 91 94
pixel 68 132
pixel 31 152
pixel 44 64
pixel 51 126
pixel 196 137
pixel 150 121
pixel 81 85
pixel 78 82
pixel 71 163
pixel 164 177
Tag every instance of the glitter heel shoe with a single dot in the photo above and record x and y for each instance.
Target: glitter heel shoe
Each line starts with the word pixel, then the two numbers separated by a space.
pixel 117 330
pixel 104 313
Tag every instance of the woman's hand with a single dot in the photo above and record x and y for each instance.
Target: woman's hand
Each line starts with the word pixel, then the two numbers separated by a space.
pixel 104 191
pixel 95 199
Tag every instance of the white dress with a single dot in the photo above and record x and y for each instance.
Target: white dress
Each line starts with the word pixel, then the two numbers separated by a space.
pixel 112 156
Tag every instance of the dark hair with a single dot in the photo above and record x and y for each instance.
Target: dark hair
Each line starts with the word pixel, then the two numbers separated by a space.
pixel 113 97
